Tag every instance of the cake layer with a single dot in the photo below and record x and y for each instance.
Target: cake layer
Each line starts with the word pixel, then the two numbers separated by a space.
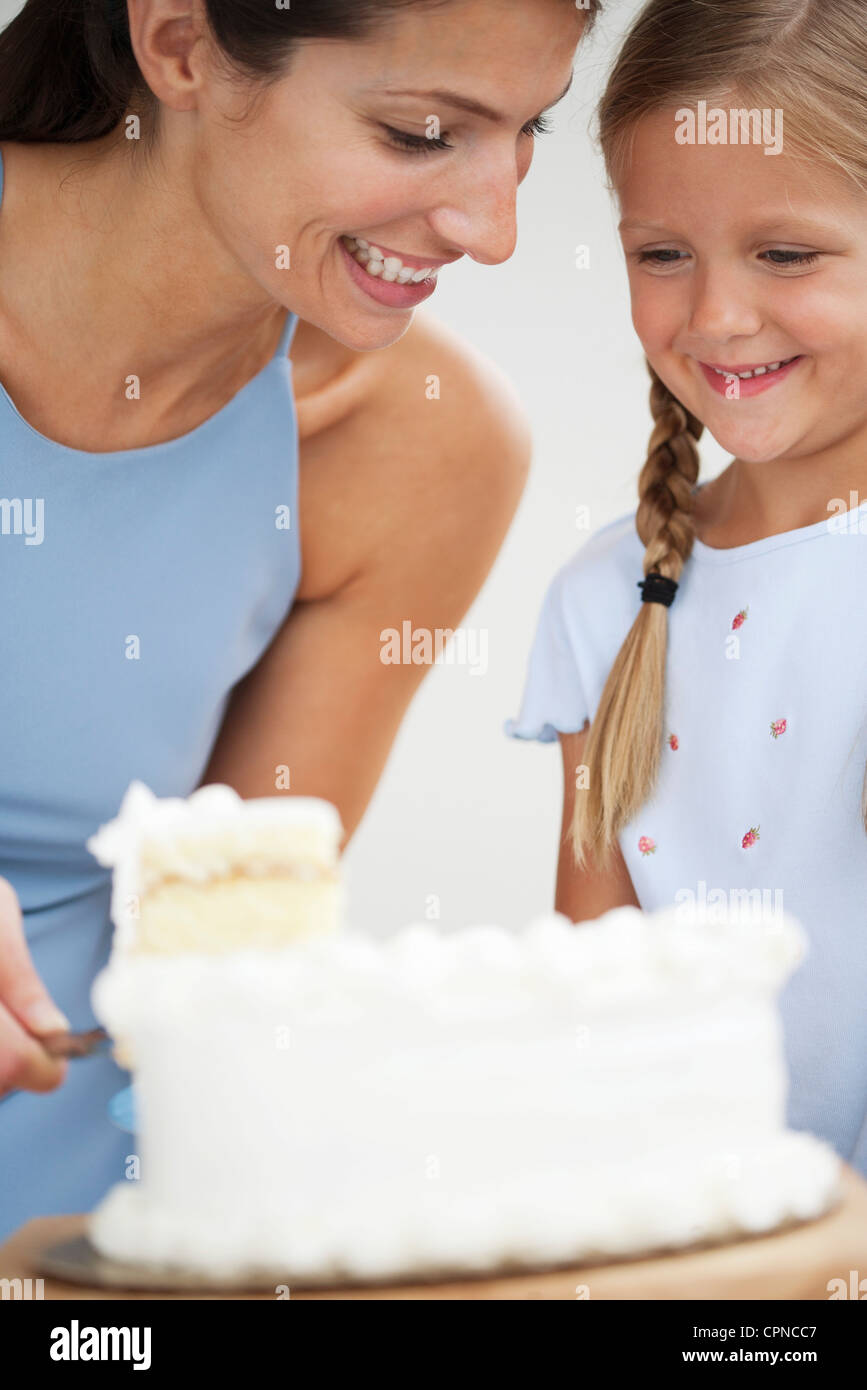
pixel 431 1104
pixel 225 914
pixel 196 856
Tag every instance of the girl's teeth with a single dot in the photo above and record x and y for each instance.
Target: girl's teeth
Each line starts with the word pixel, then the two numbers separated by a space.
pixel 759 371
pixel 390 268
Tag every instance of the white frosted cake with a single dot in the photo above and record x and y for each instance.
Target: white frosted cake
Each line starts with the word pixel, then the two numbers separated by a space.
pixel 340 1109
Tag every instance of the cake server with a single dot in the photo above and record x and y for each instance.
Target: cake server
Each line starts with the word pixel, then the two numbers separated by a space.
pixel 121 1107
pixel 65 1044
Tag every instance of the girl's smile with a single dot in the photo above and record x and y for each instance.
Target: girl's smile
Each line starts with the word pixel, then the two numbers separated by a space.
pixel 751 379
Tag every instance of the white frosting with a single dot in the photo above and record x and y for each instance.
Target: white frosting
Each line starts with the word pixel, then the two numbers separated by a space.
pixel 432 1104
pixel 211 834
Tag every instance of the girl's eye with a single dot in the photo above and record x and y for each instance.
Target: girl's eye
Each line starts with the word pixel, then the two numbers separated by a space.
pixel 792 257
pixel 422 144
pixel 664 255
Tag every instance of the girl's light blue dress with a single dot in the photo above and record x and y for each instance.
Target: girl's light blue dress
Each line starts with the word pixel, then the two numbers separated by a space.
pixel 137 588
pixel 763 762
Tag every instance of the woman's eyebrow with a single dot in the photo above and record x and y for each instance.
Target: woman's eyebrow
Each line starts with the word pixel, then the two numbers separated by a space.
pixel 477 108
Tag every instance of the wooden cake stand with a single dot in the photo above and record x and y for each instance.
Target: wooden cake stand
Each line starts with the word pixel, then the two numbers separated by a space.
pixel 797 1263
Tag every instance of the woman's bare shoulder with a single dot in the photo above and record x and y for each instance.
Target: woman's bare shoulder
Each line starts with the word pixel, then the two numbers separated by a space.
pixel 427 435
pixel 335 383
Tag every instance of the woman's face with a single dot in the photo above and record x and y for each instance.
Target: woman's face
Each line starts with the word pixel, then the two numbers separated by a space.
pixel 741 260
pixel 413 141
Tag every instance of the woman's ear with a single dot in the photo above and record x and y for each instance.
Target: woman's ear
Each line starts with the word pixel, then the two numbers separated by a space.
pixel 170 39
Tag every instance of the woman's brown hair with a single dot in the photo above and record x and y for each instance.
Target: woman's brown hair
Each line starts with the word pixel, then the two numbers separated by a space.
pixel 68 72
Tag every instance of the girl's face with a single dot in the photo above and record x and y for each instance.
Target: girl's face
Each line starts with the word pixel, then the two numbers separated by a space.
pixel 413 141
pixel 739 260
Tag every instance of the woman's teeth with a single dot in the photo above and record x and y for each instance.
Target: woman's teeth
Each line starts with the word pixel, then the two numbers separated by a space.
pixel 757 371
pixel 381 266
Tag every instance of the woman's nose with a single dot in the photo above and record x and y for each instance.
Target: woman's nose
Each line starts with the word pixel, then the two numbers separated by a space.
pixel 480 216
pixel 723 306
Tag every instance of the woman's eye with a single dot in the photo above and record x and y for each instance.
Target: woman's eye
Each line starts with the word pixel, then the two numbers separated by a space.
pixel 417 144
pixel 423 144
pixel 792 257
pixel 538 126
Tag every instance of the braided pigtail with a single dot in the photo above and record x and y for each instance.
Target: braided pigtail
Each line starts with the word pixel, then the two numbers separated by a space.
pixel 625 739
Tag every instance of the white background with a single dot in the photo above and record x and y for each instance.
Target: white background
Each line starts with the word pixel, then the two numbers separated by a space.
pixel 461 811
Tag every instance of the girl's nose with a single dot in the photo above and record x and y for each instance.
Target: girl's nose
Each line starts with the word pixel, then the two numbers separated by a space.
pixel 479 215
pixel 723 306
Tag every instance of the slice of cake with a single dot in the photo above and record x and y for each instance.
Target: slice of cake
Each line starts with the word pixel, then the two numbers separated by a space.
pixel 339 1109
pixel 216 873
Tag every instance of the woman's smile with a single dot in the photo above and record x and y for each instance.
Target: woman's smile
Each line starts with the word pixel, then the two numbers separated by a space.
pixel 398 282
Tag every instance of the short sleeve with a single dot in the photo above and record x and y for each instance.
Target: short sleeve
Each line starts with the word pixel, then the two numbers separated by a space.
pixel 553 701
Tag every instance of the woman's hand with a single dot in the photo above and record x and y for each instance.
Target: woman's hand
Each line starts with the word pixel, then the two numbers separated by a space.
pixel 26 1009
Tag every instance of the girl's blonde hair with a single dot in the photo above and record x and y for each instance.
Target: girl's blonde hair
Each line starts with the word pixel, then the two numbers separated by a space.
pixel 809 59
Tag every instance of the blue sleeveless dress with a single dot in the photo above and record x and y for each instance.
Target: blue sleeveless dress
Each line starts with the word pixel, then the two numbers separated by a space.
pixel 137 588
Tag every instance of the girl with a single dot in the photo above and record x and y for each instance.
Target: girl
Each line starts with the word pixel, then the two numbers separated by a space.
pixel 184 183
pixel 712 716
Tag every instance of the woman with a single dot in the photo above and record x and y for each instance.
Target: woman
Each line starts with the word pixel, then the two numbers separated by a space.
pixel 183 186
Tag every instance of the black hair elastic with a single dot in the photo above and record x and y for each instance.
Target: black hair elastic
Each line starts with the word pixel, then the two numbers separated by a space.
pixel 655 588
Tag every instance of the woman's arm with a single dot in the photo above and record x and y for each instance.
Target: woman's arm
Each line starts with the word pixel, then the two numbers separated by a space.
pixel 405 500
pixel 586 893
